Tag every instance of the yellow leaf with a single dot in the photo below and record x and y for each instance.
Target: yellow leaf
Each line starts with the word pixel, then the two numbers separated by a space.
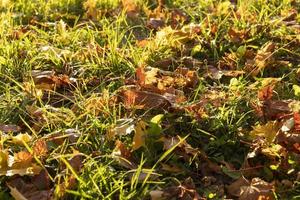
pixel 3 160
pixel 139 136
pixel 268 131
pixel 20 138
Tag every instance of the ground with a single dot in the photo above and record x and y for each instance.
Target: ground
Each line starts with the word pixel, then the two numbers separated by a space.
pixel 146 99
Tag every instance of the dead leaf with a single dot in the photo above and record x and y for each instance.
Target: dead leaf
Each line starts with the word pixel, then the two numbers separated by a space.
pixel 7 128
pixel 139 136
pixel 123 156
pixel 297 121
pixel 135 99
pixel 263 58
pixel 267 131
pixel 274 109
pixel 22 190
pixel 21 163
pixel 76 161
pixel 266 93
pixel 234 188
pixel 16 194
pixel 178 18
pixel 156 195
pixel 22 159
pixel 48 80
pixel 40 148
pixel 258 189
pixel 155 23
pixel 122 127
pixel 238 36
pixel 182 147
pixel 20 138
pixel 185 190
pixel 131 8
pixel 3 160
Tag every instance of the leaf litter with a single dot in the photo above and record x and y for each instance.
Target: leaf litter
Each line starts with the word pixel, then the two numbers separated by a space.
pixel 204 106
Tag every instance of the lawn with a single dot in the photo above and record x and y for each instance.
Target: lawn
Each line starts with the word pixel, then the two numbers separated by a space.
pixel 149 99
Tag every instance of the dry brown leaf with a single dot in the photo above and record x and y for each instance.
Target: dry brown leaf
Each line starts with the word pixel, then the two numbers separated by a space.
pixel 155 23
pixel 238 36
pixel 22 190
pixel 7 128
pixel 275 109
pixel 123 156
pixel 178 18
pixel 266 93
pixel 131 8
pixel 234 188
pixel 16 194
pixel 258 189
pixel 47 80
pixel 135 99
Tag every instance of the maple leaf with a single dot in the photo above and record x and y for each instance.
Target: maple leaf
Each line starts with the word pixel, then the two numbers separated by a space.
pixel 267 131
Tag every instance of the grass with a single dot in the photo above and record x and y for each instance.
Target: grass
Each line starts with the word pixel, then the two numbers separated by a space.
pixel 94 49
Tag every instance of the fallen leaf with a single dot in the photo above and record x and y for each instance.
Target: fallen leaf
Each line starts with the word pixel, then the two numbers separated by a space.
pixel 21 163
pixel 7 128
pixel 3 160
pixel 40 148
pixel 234 188
pixel 22 159
pixel 155 23
pixel 122 127
pixel 76 161
pixel 258 189
pixel 238 36
pixel 266 93
pixel 297 121
pixel 131 8
pixel 135 99
pixel 123 156
pixel 274 109
pixel 16 194
pixel 20 138
pixel 139 136
pixel 263 58
pixel 178 18
pixel 267 131
pixel 22 190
